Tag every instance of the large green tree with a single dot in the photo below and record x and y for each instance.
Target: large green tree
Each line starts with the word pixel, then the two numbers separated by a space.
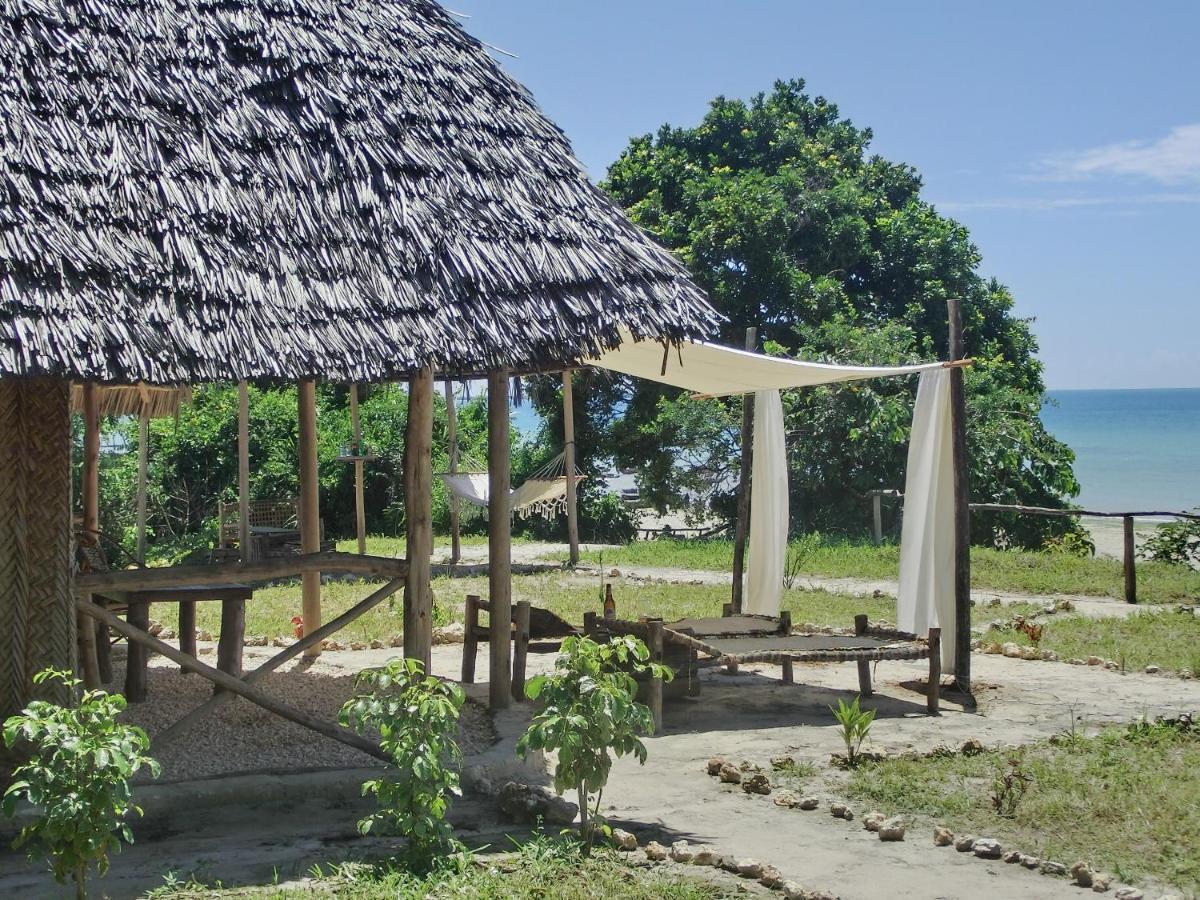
pixel 791 226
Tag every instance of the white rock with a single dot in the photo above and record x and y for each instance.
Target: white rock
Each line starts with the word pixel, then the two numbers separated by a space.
pixel 1030 862
pixel 808 803
pixel 706 856
pixel 1030 653
pixel 893 829
pixel 624 840
pixel 1101 882
pixel 873 820
pixel 1012 651
pixel 749 868
pixel 1082 873
pixel 1049 656
pixel 1050 867
pixel 993 648
pixel 1152 670
pixel 964 844
pixel 1095 661
pixel 771 878
pixel 681 852
pixel 988 848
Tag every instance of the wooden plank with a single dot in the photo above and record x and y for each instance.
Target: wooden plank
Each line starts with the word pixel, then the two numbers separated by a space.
pixel 742 531
pixel 520 649
pixel 310 508
pixel 935 671
pixel 499 543
pixel 236 685
pixel 569 467
pixel 287 653
pixel 470 638
pixel 418 499
pixel 245 550
pixel 864 666
pixel 227 573
pixel 452 449
pixel 233 633
pixel 1130 553
pixel 962 512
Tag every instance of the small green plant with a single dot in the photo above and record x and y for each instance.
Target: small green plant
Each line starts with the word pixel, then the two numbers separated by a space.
pixel 1009 786
pixel 856 726
pixel 416 716
pixel 589 715
pixel 77 778
pixel 1175 542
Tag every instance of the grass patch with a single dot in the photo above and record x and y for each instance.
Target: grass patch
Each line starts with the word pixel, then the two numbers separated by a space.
pixel 998 570
pixel 1166 639
pixel 1127 800
pixel 540 869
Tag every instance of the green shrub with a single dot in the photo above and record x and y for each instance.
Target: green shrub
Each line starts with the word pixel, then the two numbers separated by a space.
pixel 77 779
pixel 1175 542
pixel 855 723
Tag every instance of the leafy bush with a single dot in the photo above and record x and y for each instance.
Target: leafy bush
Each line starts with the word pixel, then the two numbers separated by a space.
pixel 856 726
pixel 1175 542
pixel 589 715
pixel 416 716
pixel 1073 543
pixel 77 778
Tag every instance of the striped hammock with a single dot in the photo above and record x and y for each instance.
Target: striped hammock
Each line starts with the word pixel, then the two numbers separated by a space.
pixel 543 493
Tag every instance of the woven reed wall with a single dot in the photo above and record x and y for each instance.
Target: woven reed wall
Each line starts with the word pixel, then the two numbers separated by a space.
pixel 37 619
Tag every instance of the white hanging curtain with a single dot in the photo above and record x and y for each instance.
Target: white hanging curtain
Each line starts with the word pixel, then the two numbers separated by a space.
pixel 768 508
pixel 926 598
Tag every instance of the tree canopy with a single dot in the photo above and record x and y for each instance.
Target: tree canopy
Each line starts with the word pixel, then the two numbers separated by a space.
pixel 790 224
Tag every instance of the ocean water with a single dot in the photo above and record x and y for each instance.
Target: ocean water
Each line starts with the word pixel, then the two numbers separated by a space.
pixel 1135 449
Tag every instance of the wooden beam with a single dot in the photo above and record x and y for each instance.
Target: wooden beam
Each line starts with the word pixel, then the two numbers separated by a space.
pixel 89 661
pixel 310 509
pixel 569 467
pixel 499 543
pixel 360 507
pixel 224 573
pixel 233 634
pixel 143 472
pixel 962 511
pixel 287 653
pixel 743 506
pixel 418 494
pixel 452 450
pixel 245 551
pixel 236 685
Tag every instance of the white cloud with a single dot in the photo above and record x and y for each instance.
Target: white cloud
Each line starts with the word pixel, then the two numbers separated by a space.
pixel 1043 204
pixel 1171 159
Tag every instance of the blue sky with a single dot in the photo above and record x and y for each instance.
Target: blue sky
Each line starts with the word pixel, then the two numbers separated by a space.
pixel 1065 135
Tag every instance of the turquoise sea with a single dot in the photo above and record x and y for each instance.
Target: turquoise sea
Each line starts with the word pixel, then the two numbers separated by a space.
pixel 1135 449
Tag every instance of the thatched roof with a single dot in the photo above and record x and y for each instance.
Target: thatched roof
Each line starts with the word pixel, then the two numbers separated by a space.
pixel 195 190
pixel 152 401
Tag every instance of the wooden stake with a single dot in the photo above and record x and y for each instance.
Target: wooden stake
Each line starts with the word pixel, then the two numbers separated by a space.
pixel 360 509
pixel 142 477
pixel 245 551
pixel 310 510
pixel 742 530
pixel 1130 552
pixel 233 633
pixel 87 634
pixel 452 441
pixel 236 685
pixel 569 467
pixel 520 649
pixel 418 493
pixel 962 511
pixel 138 616
pixel 655 645
pixel 499 543
pixel 864 666
pixel 935 671
pixel 877 512
pixel 470 638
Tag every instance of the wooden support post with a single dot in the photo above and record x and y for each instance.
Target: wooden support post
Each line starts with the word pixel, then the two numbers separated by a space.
pixel 136 659
pixel 569 467
pixel 236 685
pixel 785 621
pixel 877 517
pixel 89 639
pixel 452 450
pixel 360 508
pixel 187 627
pixel 245 550
pixel 499 543
pixel 864 666
pixel 742 530
pixel 962 510
pixel 418 500
pixel 143 473
pixel 935 671
pixel 589 625
pixel 520 649
pixel 655 646
pixel 310 508
pixel 788 674
pixel 233 632
pixel 1130 552
pixel 470 638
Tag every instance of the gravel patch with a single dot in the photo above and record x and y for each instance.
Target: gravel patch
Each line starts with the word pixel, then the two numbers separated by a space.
pixel 240 737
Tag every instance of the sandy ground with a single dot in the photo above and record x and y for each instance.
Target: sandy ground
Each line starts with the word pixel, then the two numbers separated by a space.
pixel 256 828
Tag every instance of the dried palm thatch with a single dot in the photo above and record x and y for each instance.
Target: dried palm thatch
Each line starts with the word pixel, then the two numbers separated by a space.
pixel 152 401
pixel 195 190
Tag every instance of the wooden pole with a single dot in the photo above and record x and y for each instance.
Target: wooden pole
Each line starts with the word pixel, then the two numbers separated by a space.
pixel 310 510
pixel 877 512
pixel 142 477
pixel 452 441
pixel 962 511
pixel 233 633
pixel 499 543
pixel 742 530
pixel 236 685
pixel 138 616
pixel 87 632
pixel 245 551
pixel 935 671
pixel 470 638
pixel 418 493
pixel 655 645
pixel 520 649
pixel 1130 551
pixel 360 509
pixel 569 467
pixel 864 666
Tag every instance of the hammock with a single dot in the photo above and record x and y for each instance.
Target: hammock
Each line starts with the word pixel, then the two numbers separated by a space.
pixel 544 492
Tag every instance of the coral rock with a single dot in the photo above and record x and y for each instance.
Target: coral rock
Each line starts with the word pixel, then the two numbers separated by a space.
pixel 1095 661
pixel 1129 893
pixel 377 644
pixel 706 857
pixel 809 803
pixel 872 821
pixel 771 878
pixel 786 799
pixel 757 784
pixel 942 836
pixel 1031 653
pixel 1012 651
pixel 893 829
pixel 972 747
pixel 715 765
pixel 730 775
pixel 624 840
pixel 964 844
pixel 1050 867
pixel 988 848
pixel 750 868
pixel 1082 873
pixel 782 762
pixel 656 852
pixel 527 803
pixel 1101 882
pixel 681 852
pixel 1152 670
pixel 1012 856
